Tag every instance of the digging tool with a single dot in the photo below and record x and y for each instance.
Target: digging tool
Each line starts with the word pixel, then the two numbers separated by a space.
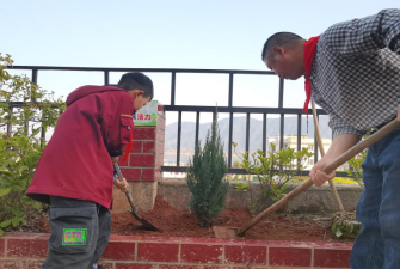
pixel 227 232
pixel 334 191
pixel 145 224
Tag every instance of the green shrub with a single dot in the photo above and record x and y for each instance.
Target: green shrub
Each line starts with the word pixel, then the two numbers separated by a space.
pixel 206 178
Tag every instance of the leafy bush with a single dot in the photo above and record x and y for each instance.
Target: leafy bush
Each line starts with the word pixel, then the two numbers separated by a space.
pixel 273 173
pixel 356 165
pixel 20 146
pixel 16 171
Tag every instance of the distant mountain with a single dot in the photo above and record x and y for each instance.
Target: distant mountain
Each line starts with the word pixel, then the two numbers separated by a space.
pixel 188 130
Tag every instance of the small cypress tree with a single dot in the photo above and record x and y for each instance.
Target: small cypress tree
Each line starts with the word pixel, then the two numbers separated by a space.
pixel 205 178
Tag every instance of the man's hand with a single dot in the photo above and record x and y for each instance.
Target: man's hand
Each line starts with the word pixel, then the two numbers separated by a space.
pixel 318 175
pixel 121 184
pixel 340 145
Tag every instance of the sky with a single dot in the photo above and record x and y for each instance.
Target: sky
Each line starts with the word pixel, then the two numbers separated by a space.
pixel 218 34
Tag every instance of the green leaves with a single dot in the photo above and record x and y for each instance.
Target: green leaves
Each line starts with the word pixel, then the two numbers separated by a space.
pixel 14 222
pixel 338 233
pixel 241 187
pixel 4 191
pixel 346 225
pixel 16 170
pixel 36 205
pixel 274 172
pixel 356 165
pixel 21 150
pixel 15 210
pixel 5 223
pixel 37 103
pixel 35 131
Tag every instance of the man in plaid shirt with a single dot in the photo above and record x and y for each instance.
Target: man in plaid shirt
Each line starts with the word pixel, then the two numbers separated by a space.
pixel 352 71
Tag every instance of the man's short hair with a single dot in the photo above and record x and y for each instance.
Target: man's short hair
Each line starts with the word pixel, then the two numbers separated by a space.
pixel 131 81
pixel 280 39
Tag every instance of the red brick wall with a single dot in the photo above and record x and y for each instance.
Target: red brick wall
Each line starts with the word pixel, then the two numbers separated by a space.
pixel 147 153
pixel 29 250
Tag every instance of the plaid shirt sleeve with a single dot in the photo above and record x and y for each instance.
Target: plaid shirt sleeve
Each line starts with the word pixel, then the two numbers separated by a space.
pixel 364 35
pixel 339 126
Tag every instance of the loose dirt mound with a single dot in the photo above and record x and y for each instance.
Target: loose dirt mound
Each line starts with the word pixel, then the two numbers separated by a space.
pixel 180 223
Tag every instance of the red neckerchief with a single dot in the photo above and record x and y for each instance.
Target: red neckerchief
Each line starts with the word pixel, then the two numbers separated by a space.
pixel 128 147
pixel 308 57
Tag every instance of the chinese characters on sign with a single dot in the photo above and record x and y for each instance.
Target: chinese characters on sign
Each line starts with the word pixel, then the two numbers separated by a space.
pixel 144 117
pixel 148 115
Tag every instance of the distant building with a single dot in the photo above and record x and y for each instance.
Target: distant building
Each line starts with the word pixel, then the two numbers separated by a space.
pixel 290 141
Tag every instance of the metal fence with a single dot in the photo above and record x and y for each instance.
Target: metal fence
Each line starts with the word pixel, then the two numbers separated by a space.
pixel 231 109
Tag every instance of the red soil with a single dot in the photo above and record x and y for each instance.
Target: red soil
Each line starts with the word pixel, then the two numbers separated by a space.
pixel 180 223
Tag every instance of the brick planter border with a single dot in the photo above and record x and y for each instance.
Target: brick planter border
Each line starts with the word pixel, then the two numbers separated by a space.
pixel 27 250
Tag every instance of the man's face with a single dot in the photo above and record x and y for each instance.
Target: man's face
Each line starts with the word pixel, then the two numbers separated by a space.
pixel 285 64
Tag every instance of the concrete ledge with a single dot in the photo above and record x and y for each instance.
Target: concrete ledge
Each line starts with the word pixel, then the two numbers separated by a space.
pixel 315 200
pixel 143 194
pixel 24 250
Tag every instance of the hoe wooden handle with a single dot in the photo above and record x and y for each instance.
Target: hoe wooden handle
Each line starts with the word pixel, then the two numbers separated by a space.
pixel 334 191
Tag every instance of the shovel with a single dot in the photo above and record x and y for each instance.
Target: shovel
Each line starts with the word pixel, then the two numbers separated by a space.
pixel 145 224
pixel 234 232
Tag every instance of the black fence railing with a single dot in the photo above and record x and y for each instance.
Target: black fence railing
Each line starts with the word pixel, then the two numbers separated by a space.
pixel 230 108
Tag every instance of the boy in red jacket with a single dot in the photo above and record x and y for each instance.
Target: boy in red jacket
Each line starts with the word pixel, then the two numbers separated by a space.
pixel 75 175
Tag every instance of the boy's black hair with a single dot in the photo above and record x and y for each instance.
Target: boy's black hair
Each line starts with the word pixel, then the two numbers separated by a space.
pixel 130 81
pixel 279 39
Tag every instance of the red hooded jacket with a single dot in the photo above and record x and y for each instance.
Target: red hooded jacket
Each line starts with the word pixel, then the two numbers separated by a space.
pixel 76 162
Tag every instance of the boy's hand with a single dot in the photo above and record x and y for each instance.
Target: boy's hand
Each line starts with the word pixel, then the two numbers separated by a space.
pixel 121 184
pixel 114 160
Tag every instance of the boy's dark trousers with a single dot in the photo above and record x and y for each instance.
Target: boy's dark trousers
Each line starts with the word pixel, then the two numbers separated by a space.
pixel 80 231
